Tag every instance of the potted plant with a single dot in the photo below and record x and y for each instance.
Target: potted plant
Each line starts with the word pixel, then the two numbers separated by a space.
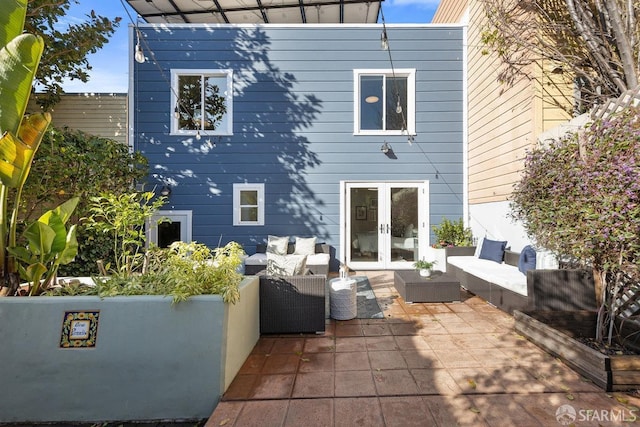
pixel 424 267
pixel 452 238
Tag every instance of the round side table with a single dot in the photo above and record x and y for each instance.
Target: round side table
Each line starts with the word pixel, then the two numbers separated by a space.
pixel 343 297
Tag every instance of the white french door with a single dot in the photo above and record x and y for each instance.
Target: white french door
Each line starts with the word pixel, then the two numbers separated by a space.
pixel 386 224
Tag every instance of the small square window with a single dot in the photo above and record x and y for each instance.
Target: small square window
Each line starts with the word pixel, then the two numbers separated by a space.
pixel 248 204
pixel 384 102
pixel 201 102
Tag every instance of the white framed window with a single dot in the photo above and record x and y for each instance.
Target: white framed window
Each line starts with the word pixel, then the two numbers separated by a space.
pixel 384 102
pixel 177 227
pixel 248 204
pixel 201 102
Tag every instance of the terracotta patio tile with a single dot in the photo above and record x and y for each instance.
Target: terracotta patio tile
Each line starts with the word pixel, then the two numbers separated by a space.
pixel 476 380
pixel 413 342
pixel 363 411
pixel 350 344
pixel 314 362
pixel 435 381
pixel 313 384
pixel 348 330
pixel 405 328
pixel 310 413
pixel 421 359
pixel 381 343
pixel 475 341
pixel 253 364
pixel 226 413
pixel 288 345
pixel 262 413
pixel 352 361
pixel 241 387
pixel 387 359
pixel 458 307
pixel 499 410
pixel 453 411
pixel 394 382
pixel 457 359
pixel 280 364
pixel 376 330
pixel 405 411
pixel 432 327
pixel 264 345
pixel 354 383
pixel 442 342
pixel 320 344
pixel 273 386
pixel 435 308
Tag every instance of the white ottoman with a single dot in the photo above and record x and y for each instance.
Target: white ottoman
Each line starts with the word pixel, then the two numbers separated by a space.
pixel 343 297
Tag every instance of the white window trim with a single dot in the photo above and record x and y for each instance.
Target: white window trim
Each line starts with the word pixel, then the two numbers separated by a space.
pixel 237 189
pixel 175 73
pixel 410 73
pixel 186 224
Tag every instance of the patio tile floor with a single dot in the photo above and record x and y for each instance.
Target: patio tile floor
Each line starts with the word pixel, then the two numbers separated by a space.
pixel 437 364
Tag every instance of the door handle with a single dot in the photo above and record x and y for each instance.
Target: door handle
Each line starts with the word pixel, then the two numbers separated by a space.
pixel 388 227
pixel 381 228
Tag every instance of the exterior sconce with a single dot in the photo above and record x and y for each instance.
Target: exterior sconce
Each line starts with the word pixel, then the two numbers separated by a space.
pixel 385 148
pixel 166 190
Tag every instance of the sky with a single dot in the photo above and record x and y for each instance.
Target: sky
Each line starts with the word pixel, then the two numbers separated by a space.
pixel 110 65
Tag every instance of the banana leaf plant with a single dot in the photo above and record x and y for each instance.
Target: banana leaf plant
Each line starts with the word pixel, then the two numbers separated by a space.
pixel 20 136
pixel 49 245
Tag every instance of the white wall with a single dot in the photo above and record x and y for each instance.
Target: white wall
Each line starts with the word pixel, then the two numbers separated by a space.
pixel 491 220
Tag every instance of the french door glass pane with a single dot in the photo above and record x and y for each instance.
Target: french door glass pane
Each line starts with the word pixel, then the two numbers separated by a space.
pixel 364 224
pixel 404 224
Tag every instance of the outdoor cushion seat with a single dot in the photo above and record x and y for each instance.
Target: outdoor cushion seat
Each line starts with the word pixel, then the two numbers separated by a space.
pixel 318 263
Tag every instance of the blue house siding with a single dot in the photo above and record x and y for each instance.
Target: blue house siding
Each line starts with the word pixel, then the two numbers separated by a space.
pixel 293 124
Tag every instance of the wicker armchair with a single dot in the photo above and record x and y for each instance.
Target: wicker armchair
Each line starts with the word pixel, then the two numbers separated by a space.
pixel 292 304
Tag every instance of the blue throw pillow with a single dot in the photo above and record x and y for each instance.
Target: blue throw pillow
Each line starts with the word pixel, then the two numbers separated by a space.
pixel 527 260
pixel 492 250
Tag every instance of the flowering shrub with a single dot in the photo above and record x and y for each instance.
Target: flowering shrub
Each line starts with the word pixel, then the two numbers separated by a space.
pixel 580 198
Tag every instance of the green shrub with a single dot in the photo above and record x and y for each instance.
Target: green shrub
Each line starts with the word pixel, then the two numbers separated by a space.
pixel 452 233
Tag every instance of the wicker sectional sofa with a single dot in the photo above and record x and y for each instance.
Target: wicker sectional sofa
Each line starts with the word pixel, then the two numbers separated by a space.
pixel 504 286
pixel 292 304
pixel 317 263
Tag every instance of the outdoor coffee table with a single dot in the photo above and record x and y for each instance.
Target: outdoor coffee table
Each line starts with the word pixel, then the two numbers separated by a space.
pixel 439 287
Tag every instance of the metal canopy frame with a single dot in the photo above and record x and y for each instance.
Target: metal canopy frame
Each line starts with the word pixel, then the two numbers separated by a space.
pixel 258 11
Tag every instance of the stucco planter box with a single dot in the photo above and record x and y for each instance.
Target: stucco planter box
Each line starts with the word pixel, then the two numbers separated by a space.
pixel 152 360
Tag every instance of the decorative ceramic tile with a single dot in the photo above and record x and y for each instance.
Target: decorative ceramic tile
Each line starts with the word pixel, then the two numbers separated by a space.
pixel 79 329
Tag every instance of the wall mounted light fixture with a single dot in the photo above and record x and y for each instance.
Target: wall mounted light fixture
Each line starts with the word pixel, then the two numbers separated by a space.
pixel 139 54
pixel 166 190
pixel 384 41
pixel 385 147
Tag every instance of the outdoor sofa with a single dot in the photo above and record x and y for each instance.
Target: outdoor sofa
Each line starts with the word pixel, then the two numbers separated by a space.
pixel 501 281
pixel 318 263
pixel 293 287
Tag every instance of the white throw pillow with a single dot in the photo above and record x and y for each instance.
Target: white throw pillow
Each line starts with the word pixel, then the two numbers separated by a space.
pixel 277 245
pixel 286 265
pixel 305 246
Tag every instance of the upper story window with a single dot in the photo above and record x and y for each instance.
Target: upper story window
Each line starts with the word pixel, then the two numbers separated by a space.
pixel 248 204
pixel 201 102
pixel 384 102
